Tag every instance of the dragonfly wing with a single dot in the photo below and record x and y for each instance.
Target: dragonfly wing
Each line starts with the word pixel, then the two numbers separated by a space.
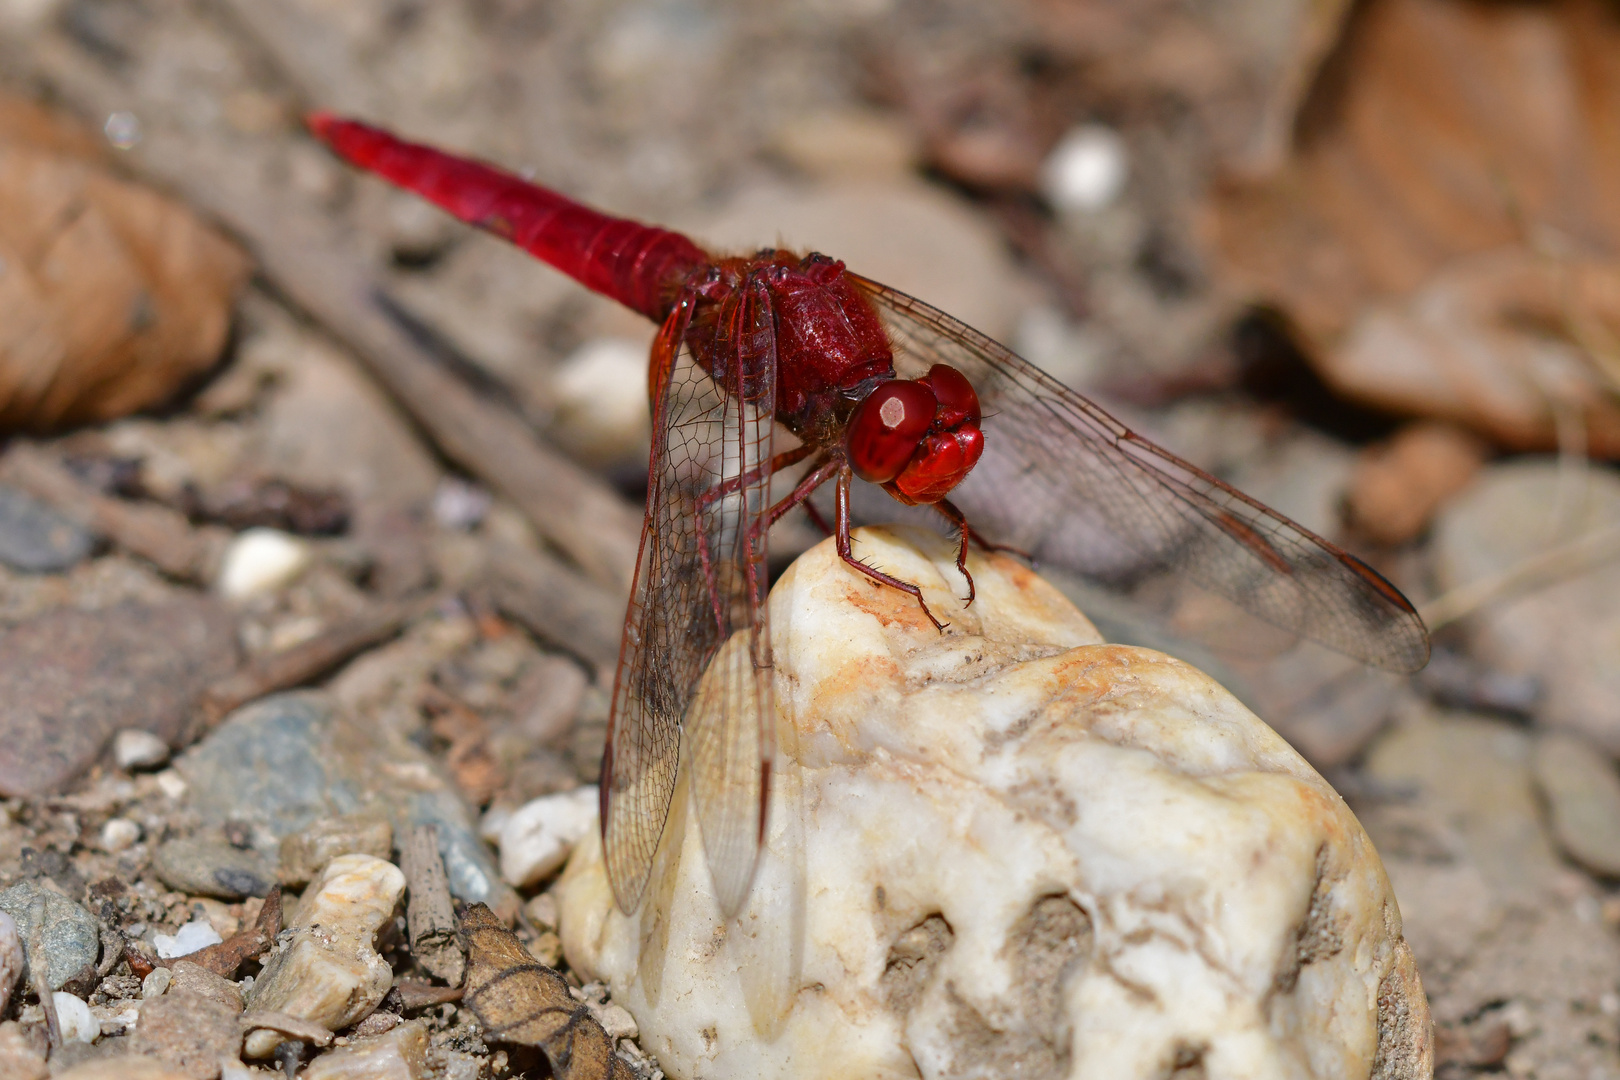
pixel 1065 482
pixel 658 661
pixel 730 726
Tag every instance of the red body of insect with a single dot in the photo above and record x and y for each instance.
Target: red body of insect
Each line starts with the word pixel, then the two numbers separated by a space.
pixel 872 385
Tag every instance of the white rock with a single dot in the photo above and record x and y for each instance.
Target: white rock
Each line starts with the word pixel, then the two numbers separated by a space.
pixel 171 783
pixel 601 395
pixel 1010 850
pixel 1086 170
pixel 536 838
pixel 197 934
pixel 11 959
pixel 260 561
pixel 330 971
pixel 119 834
pixel 73 1016
pixel 134 749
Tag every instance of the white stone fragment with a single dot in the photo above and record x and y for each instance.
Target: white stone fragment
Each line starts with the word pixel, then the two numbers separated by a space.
pixel 135 749
pixel 601 395
pixel 536 838
pixel 156 983
pixel 1009 850
pixel 197 934
pixel 11 959
pixel 119 834
pixel 73 1016
pixel 172 784
pixel 1086 170
pixel 399 1054
pixel 330 971
pixel 261 561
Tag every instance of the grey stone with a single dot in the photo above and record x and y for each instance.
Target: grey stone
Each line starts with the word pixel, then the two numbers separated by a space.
pixel 37 539
pixel 71 937
pixel 289 760
pixel 1578 783
pixel 213 868
pixel 73 678
pixel 1471 800
pixel 1565 634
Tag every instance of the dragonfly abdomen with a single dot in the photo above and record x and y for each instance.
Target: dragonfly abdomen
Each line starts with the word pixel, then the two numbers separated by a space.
pixel 641 266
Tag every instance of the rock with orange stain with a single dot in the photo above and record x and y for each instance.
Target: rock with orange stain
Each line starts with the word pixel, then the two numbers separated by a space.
pixel 1010 849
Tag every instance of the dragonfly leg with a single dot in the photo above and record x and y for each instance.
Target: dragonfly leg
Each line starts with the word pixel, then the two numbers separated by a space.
pixel 847 553
pixel 964 534
pixel 946 507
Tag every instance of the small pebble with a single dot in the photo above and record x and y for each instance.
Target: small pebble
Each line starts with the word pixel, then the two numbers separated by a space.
pixel 156 982
pixel 35 538
pixel 11 959
pixel 189 1032
pixel 22 1052
pixel 1087 169
pixel 261 561
pixel 460 505
pixel 543 910
pixel 615 1020
pixel 306 852
pixel 398 1054
pixel 119 834
pixel 1581 790
pixel 196 979
pixel 601 398
pixel 73 1016
pixel 71 940
pixel 172 784
pixel 329 970
pixel 537 838
pixel 213 868
pixel 198 934
pixel 134 749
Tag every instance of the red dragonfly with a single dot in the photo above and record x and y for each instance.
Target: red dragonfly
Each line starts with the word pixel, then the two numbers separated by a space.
pixel 770 360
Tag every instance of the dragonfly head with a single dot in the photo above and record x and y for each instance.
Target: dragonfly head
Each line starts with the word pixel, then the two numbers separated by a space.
pixel 917 437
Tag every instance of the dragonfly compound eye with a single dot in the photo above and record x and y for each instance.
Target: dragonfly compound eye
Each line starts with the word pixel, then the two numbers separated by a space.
pixel 886 428
pixel 942 461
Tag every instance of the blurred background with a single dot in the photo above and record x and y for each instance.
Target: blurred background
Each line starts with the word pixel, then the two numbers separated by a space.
pixel 1360 259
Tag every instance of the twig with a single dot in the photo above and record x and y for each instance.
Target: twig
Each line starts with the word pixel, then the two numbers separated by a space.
pixel 225 957
pixel 558 606
pixel 157 534
pixel 307 660
pixel 1537 571
pixel 314 270
pixel 429 917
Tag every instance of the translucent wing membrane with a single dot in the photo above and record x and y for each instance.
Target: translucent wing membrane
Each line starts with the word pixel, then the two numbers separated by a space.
pixel 1066 483
pixel 700 580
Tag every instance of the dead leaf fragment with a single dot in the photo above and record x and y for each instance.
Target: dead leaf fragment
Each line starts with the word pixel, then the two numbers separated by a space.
pixel 1397 486
pixel 1445 235
pixel 111 296
pixel 519 1000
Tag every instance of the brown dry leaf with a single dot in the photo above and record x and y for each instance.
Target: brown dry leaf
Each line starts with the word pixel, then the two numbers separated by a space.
pixel 1446 235
pixel 1397 486
pixel 111 296
pixel 518 1000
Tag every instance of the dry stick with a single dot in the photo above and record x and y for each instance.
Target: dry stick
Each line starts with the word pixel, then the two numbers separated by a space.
pixel 1537 571
pixel 157 534
pixel 307 261
pixel 307 660
pixel 558 607
pixel 429 917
